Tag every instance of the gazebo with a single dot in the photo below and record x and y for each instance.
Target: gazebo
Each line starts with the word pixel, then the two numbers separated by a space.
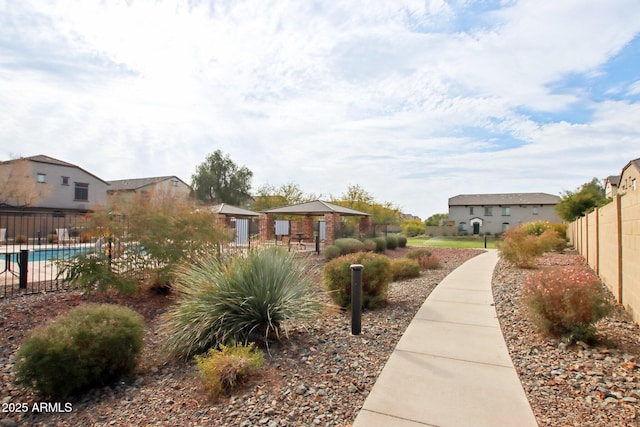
pixel 236 218
pixel 304 229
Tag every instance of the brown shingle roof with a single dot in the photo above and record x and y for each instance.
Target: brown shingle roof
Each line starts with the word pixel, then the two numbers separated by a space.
pixel 317 207
pixel 504 199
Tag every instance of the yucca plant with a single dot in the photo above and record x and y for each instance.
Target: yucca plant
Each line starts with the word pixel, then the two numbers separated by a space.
pixel 239 299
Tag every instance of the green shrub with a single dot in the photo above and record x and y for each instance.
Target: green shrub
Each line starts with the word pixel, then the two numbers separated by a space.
pixel 418 253
pixel 369 245
pixel 330 252
pixel 96 272
pixel 560 228
pixel 381 244
pixel 376 276
pixel 221 370
pixel 404 268
pixel 519 248
pixel 240 299
pixel 349 245
pixel 52 238
pixel 21 239
pixel 551 241
pixel 566 302
pixel 92 345
pixel 392 242
pixel 535 228
pixel 402 242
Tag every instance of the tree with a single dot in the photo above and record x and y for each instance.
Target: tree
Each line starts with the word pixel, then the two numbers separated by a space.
pixel 412 227
pixel 576 203
pixel 268 196
pixel 359 199
pixel 434 220
pixel 219 180
pixel 18 186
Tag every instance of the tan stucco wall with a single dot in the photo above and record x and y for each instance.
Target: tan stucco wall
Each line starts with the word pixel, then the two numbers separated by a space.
pixel 630 225
pixel 609 268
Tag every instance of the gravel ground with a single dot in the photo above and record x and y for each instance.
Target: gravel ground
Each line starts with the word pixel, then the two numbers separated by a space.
pixel 571 385
pixel 322 375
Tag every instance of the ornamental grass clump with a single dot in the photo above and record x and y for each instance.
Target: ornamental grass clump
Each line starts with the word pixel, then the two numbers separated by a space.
pixel 349 245
pixel 566 302
pixel 240 299
pixel 221 370
pixel 425 259
pixel 90 346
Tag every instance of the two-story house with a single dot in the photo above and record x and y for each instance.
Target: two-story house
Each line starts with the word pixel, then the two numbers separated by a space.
pixel 494 213
pixel 630 177
pixel 161 186
pixel 44 184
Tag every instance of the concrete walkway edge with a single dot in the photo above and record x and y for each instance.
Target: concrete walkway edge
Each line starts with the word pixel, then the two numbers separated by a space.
pixel 451 367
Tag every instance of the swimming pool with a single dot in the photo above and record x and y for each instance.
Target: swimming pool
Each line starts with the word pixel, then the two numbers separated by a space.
pixel 48 254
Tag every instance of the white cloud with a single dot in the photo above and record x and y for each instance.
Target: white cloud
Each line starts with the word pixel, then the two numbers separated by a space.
pixel 415 101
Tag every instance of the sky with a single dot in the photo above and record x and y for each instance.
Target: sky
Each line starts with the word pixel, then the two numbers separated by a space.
pixel 413 101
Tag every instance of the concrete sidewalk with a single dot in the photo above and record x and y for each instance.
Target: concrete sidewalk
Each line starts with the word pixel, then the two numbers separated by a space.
pixel 451 367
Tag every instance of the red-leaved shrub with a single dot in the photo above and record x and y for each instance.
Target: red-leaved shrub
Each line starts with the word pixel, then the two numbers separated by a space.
pixel 566 302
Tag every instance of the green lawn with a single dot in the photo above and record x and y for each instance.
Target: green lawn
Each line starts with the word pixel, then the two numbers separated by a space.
pixel 452 242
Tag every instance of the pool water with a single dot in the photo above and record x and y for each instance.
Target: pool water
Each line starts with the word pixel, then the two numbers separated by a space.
pixel 50 254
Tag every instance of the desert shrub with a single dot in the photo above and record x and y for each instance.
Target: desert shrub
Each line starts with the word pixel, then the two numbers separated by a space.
pixel 92 345
pixel 21 239
pixel 381 244
pixel 240 299
pixel 52 238
pixel 560 228
pixel 549 240
pixel 330 252
pixel 519 248
pixel 349 245
pixel 429 262
pixel 392 242
pixel 417 253
pixel 94 272
pixel 402 242
pixel 369 245
pixel 221 370
pixel 535 228
pixel 376 276
pixel 404 268
pixel 566 302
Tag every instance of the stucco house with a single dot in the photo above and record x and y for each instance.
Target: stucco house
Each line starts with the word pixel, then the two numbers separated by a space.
pixel 42 183
pixel 630 177
pixel 494 213
pixel 611 184
pixel 169 186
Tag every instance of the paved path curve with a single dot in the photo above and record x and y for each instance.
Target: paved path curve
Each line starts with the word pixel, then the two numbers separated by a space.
pixel 451 368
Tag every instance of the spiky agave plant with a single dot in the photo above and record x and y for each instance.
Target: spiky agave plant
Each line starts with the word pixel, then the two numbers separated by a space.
pixel 239 299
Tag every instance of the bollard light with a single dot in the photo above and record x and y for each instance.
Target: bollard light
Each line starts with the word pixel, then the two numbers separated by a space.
pixel 356 298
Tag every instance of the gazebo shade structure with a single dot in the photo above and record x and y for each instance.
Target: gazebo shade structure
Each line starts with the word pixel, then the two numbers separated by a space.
pixel 304 229
pixel 315 208
pixel 233 211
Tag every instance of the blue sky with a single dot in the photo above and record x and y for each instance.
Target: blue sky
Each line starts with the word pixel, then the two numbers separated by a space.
pixel 414 101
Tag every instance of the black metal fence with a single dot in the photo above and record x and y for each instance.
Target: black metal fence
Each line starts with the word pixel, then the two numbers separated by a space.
pixel 30 244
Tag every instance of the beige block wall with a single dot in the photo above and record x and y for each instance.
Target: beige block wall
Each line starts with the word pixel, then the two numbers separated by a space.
pixel 630 226
pixel 609 265
pixel 592 240
pixel 613 250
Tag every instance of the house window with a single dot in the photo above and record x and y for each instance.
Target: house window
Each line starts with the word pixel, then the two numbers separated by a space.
pixel 488 211
pixel 506 211
pixel 505 226
pixel 471 210
pixel 65 180
pixel 633 184
pixel 535 210
pixel 42 177
pixel 81 193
